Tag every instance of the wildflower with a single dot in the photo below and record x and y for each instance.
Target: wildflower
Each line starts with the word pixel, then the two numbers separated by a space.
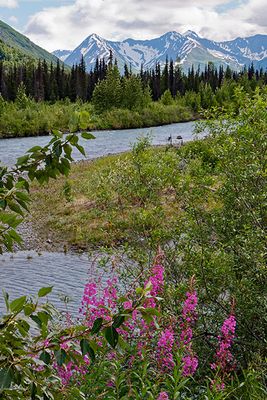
pixel 190 364
pixel 95 306
pixel 163 396
pixel 127 304
pixel 164 350
pixel 189 317
pixel 156 280
pixel 224 357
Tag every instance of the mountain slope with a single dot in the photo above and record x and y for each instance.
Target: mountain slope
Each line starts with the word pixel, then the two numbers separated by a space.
pixel 187 50
pixel 11 39
pixel 62 54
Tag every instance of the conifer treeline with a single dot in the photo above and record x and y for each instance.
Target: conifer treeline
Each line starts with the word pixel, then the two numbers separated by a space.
pixel 45 82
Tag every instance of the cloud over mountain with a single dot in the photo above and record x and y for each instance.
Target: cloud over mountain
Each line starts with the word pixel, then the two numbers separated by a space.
pixel 65 26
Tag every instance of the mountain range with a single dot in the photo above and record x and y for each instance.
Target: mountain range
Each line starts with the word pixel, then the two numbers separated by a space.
pixel 185 49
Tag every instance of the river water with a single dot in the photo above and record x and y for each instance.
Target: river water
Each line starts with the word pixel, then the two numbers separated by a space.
pixel 25 272
pixel 106 142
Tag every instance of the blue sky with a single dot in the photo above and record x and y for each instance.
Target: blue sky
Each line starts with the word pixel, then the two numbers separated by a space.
pixel 25 8
pixel 64 23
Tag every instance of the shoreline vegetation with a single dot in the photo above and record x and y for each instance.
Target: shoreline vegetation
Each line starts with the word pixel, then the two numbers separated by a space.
pixel 47 99
pixel 41 118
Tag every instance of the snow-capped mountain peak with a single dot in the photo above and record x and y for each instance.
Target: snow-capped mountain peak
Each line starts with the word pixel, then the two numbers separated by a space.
pixel 186 49
pixel 191 34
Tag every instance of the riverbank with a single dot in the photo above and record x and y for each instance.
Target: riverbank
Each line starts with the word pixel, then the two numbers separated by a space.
pixel 37 119
pixel 112 200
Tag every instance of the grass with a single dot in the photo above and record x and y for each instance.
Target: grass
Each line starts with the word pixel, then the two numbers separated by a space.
pixel 133 197
pixel 94 207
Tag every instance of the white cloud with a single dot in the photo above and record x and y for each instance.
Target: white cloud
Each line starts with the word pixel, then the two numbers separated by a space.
pixel 13 19
pixel 8 3
pixel 67 26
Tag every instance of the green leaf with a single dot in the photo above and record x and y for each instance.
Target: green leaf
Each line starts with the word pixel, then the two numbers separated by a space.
pixel 6 298
pixel 23 327
pixel 81 149
pixel 45 291
pixel 43 316
pixel 87 349
pixel 22 160
pixel 45 357
pixel 33 391
pixel 97 325
pixel 68 150
pixel 118 321
pixel 61 356
pixel 15 207
pixel 29 309
pixel 87 135
pixel 17 304
pixel 6 377
pixel 34 149
pixel 3 203
pixel 57 133
pixel 15 236
pixel 111 336
pixel 36 320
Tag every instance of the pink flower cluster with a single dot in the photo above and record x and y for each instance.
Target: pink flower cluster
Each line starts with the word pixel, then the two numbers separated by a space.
pixel 164 350
pixel 157 279
pixel 163 396
pixel 190 364
pixel 69 370
pixel 157 283
pixel 189 317
pixel 224 357
pixel 95 306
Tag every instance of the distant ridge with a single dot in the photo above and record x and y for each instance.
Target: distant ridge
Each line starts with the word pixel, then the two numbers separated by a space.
pixel 185 49
pixel 15 46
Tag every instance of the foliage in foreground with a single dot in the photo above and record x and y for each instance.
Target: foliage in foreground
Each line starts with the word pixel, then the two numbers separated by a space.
pixel 122 347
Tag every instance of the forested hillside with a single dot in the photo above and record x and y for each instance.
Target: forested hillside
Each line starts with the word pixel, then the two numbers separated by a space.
pixel 15 47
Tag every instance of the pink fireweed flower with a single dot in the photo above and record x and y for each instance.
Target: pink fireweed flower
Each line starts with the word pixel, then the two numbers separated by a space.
pixel 164 350
pixel 95 305
pixel 65 373
pixel 188 320
pixel 127 305
pixel 46 342
pixel 146 329
pixel 163 396
pixel 224 357
pixel 189 307
pixel 156 280
pixel 190 364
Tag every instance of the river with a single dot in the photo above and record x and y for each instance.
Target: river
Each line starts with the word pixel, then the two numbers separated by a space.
pixel 25 272
pixel 105 142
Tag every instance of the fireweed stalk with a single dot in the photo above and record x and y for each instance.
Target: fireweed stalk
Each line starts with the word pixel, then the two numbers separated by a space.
pixel 188 320
pixel 165 350
pixel 224 359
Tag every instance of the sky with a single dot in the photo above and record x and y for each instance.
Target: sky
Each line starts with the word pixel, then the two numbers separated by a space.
pixel 63 24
